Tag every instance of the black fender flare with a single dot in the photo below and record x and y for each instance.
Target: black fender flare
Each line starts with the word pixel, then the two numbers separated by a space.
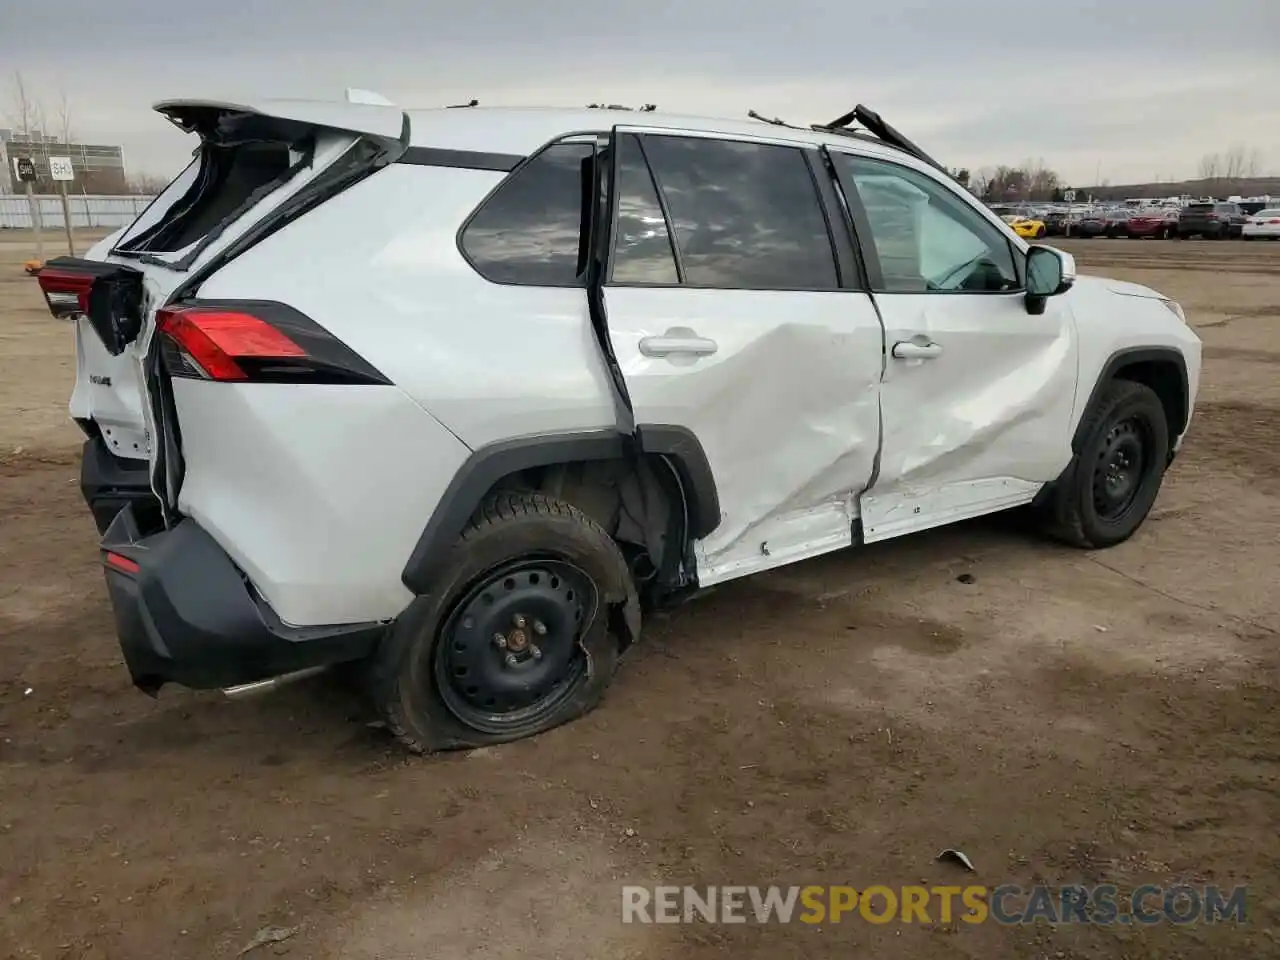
pixel 1124 358
pixel 489 464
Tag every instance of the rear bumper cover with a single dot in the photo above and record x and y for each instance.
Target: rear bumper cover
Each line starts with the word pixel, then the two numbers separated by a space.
pixel 108 483
pixel 185 614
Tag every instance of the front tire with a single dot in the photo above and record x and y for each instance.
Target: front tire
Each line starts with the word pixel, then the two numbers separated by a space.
pixel 1108 489
pixel 518 637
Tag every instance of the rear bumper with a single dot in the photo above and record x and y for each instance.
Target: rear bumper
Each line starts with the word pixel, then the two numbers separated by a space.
pixel 109 483
pixel 185 614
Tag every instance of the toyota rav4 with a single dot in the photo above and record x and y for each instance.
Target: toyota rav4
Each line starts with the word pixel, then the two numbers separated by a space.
pixel 451 396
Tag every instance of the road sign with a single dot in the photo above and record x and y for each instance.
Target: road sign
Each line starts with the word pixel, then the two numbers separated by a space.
pixel 1069 195
pixel 60 168
pixel 25 169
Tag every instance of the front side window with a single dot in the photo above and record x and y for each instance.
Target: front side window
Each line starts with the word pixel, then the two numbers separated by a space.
pixel 528 231
pixel 928 240
pixel 745 215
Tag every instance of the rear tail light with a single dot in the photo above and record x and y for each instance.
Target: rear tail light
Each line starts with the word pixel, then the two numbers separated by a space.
pixel 254 341
pixel 108 294
pixel 66 291
pixel 1275 220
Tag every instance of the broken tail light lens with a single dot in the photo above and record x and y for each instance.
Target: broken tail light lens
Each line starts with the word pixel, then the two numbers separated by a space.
pixel 66 291
pixel 255 342
pixel 109 295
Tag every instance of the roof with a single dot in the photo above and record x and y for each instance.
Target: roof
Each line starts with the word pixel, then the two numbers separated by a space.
pixel 522 130
pixel 509 130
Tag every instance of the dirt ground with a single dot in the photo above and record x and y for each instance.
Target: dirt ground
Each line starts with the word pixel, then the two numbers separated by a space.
pixel 1064 717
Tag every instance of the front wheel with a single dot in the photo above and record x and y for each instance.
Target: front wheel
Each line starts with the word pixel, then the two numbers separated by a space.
pixel 1109 487
pixel 517 638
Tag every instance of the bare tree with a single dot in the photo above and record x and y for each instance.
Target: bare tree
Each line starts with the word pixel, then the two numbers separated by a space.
pixel 25 111
pixel 63 114
pixel 1233 162
pixel 146 184
pixel 980 181
pixel 1210 166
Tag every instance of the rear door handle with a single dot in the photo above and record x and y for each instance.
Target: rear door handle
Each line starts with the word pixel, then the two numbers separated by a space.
pixel 666 346
pixel 911 350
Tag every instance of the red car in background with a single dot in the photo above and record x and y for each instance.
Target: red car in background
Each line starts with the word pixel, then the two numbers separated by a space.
pixel 1160 224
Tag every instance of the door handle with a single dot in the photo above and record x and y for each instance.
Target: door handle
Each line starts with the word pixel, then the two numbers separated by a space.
pixel 911 350
pixel 666 346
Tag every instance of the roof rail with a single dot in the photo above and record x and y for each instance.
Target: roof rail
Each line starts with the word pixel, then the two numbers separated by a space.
pixel 462 106
pixel 776 121
pixel 873 124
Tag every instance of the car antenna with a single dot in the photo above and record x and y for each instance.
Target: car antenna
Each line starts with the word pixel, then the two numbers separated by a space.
pixel 776 121
pixel 463 106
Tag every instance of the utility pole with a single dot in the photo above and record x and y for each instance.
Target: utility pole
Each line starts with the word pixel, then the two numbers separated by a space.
pixel 25 168
pixel 61 170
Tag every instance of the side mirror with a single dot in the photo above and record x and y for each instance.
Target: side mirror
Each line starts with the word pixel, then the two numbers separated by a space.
pixel 1050 271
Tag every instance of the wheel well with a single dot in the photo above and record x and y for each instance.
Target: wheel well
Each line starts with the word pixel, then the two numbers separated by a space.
pixel 1168 382
pixel 641 503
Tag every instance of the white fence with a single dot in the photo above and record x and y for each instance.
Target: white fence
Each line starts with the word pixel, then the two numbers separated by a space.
pixel 86 211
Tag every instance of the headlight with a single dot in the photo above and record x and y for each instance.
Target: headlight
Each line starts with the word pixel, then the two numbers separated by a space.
pixel 1176 309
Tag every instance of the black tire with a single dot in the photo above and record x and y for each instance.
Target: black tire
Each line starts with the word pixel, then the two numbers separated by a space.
pixel 1094 503
pixel 442 681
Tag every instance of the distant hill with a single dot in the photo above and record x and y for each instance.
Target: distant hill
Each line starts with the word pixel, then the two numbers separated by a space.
pixel 1217 187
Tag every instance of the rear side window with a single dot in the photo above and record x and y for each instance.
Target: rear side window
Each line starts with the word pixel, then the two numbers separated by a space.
pixel 746 216
pixel 642 251
pixel 527 232
pixel 1200 207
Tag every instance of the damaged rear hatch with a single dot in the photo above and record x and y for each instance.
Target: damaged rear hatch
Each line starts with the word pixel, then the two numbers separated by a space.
pixel 258 166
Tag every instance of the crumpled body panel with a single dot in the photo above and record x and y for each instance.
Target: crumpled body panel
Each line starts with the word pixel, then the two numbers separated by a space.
pixel 785 408
pixel 983 424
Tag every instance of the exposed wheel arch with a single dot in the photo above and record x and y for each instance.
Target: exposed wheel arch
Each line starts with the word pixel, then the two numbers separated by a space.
pixel 490 467
pixel 1163 369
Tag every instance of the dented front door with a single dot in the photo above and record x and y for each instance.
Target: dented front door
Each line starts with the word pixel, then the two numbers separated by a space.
pixel 977 393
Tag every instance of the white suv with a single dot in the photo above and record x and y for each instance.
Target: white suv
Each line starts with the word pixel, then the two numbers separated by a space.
pixel 455 394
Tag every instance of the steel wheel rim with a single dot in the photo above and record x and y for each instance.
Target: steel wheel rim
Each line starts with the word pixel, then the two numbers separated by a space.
pixel 508 657
pixel 1121 469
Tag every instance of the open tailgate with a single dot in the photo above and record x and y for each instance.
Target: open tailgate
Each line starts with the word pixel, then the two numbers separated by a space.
pixel 259 166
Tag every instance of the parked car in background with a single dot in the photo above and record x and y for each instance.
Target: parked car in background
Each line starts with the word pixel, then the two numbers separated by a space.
pixel 1055 222
pixel 1025 227
pixel 1092 223
pixel 1160 224
pixel 1265 224
pixel 1213 221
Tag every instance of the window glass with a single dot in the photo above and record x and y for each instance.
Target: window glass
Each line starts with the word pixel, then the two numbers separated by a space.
pixel 928 239
pixel 528 231
pixel 642 248
pixel 746 215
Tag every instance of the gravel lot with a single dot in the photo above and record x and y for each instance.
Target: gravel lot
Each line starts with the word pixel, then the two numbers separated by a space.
pixel 1064 717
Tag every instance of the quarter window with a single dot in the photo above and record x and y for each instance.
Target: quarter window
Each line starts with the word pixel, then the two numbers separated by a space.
pixel 745 215
pixel 928 240
pixel 528 231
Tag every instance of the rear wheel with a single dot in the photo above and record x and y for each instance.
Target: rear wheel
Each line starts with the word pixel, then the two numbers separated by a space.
pixel 516 638
pixel 1108 489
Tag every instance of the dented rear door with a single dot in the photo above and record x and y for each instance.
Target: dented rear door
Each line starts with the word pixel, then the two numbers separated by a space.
pixel 977 394
pixel 735 312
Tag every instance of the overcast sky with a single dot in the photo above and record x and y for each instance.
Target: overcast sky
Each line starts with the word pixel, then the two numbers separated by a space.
pixel 1136 89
